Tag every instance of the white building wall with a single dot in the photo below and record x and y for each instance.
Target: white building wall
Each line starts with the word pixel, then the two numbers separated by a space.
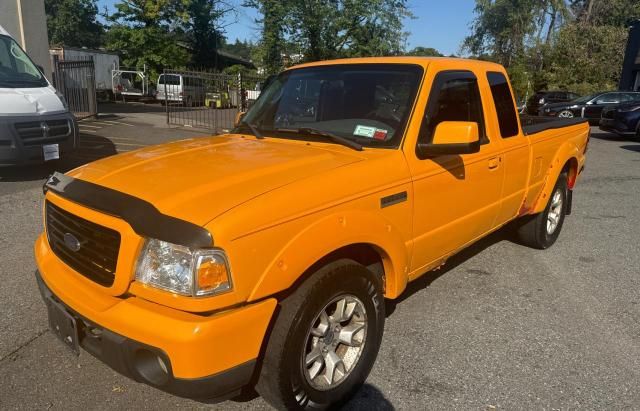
pixel 26 21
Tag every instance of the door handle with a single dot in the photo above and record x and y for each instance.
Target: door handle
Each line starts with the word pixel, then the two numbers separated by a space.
pixel 494 163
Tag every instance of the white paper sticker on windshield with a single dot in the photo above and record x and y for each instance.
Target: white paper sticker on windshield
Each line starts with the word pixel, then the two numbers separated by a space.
pixel 364 131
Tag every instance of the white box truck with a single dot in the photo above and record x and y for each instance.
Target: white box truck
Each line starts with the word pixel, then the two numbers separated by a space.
pixel 104 62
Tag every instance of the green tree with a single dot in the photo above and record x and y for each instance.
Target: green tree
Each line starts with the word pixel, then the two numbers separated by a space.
pixel 204 26
pixel 145 32
pixel 327 29
pixel 272 45
pixel 73 23
pixel 424 52
pixel 310 30
pixel 501 29
pixel 586 59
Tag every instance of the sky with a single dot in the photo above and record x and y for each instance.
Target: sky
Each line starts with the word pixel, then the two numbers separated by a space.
pixel 442 25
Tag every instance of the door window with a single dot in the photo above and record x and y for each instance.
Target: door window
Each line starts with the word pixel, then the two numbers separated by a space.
pixel 503 101
pixel 609 98
pixel 455 96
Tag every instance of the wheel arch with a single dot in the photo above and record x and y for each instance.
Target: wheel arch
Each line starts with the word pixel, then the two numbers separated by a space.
pixel 566 161
pixel 366 238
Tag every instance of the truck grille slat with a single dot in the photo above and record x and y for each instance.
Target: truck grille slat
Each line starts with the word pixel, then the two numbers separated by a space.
pixel 39 132
pixel 98 254
pixel 66 225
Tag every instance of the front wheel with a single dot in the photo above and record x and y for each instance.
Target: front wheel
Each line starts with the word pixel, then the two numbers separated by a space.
pixel 566 114
pixel 542 230
pixel 324 340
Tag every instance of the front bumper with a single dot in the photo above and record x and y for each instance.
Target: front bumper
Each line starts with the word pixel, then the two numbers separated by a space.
pixel 615 126
pixel 16 151
pixel 137 360
pixel 208 356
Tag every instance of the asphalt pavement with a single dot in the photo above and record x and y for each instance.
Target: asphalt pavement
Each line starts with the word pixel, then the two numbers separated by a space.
pixel 501 326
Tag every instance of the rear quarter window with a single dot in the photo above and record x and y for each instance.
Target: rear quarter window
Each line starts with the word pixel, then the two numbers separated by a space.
pixel 503 101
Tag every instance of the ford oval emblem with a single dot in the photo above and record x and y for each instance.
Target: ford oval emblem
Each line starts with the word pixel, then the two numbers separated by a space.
pixel 71 242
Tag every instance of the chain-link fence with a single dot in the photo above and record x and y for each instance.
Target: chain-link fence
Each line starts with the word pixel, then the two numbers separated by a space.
pixel 206 100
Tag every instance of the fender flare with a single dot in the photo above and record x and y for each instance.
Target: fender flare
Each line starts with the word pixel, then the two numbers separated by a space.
pixel 344 229
pixel 566 154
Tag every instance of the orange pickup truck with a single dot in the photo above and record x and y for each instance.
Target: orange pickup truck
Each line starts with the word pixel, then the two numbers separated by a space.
pixel 261 258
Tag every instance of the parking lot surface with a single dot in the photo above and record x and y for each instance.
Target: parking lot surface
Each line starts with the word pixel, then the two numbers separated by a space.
pixel 501 326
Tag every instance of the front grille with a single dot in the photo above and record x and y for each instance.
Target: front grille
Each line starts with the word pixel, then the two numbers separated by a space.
pixel 42 132
pixel 97 256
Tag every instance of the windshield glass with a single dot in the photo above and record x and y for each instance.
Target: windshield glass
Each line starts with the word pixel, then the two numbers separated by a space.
pixel 584 99
pixel 367 103
pixel 16 68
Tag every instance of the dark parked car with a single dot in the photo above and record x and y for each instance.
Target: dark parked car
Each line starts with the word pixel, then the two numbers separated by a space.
pixel 623 119
pixel 548 97
pixel 589 107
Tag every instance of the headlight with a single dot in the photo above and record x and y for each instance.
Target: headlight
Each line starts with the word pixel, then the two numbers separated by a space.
pixel 182 270
pixel 63 100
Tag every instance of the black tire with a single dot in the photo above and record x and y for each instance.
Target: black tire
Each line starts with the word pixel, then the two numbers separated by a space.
pixel 533 230
pixel 282 382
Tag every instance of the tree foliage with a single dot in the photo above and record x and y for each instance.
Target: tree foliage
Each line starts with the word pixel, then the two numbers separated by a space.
pixel 73 23
pixel 424 52
pixel 576 45
pixel 314 30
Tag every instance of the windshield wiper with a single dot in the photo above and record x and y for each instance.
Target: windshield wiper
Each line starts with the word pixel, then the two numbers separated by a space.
pixel 256 132
pixel 315 132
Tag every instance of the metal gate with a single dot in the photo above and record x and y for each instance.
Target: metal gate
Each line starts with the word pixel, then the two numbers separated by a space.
pixel 206 100
pixel 75 79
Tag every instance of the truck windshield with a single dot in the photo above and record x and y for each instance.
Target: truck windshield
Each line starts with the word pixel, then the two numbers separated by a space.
pixel 367 103
pixel 16 68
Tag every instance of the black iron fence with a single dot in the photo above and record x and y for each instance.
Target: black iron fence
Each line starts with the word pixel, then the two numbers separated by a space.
pixel 206 100
pixel 75 80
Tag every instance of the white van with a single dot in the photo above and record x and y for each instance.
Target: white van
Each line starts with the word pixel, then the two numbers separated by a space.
pixel 35 122
pixel 184 89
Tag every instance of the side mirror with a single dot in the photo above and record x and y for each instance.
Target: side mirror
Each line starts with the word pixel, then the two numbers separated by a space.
pixel 452 137
pixel 239 117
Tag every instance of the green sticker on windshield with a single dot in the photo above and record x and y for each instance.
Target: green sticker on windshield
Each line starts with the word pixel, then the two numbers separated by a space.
pixel 364 131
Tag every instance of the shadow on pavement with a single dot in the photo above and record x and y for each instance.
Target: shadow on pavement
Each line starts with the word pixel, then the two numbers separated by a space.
pixel 635 148
pixel 504 234
pixel 368 397
pixel 118 108
pixel 603 135
pixel 91 148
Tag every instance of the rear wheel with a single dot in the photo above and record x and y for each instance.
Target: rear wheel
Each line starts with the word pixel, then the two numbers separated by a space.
pixel 324 340
pixel 542 230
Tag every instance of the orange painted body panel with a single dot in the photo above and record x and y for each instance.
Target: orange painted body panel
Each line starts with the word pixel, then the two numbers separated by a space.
pixel 278 206
pixel 197 345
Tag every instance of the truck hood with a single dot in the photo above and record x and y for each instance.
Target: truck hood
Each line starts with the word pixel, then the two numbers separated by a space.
pixel 39 100
pixel 199 179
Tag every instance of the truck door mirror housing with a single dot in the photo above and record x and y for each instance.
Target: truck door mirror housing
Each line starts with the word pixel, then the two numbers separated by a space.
pixel 452 137
pixel 239 117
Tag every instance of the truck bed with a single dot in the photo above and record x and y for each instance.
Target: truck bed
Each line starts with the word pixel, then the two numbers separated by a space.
pixel 532 124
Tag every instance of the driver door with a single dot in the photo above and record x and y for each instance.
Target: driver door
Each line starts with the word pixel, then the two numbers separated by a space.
pixel 456 197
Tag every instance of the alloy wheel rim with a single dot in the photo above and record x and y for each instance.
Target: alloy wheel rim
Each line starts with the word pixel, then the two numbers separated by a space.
pixel 335 342
pixel 565 114
pixel 555 211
